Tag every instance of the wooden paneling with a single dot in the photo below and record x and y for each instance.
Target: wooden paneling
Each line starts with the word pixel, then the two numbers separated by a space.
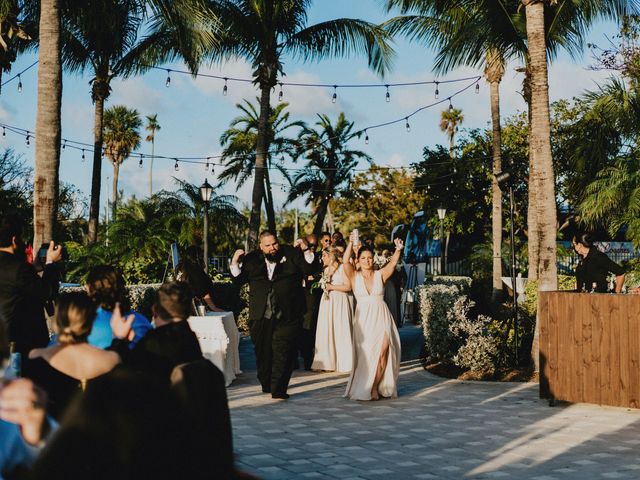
pixel 590 348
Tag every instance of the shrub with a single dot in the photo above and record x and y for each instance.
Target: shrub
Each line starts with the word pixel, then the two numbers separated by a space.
pixel 463 283
pixel 530 305
pixel 479 351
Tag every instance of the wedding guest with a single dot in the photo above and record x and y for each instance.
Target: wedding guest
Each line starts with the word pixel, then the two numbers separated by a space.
pixel 594 266
pixel 333 347
pixel 307 336
pixel 24 294
pixel 337 239
pixel 376 363
pixel 324 240
pixel 276 306
pixel 391 287
pixel 191 270
pixel 65 368
pixel 106 286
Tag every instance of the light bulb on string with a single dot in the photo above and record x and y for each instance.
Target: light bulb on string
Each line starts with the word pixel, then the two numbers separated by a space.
pixel 388 95
pixel 225 89
pixel 176 167
pixel 19 84
pixel 450 106
pixel 437 91
pixel 167 82
pixel 140 162
pixel 477 88
pixel 28 137
pixel 334 97
pixel 4 133
pixel 407 126
pixel 366 138
pixel 83 157
pixel 64 144
pixel 280 93
pixel 206 166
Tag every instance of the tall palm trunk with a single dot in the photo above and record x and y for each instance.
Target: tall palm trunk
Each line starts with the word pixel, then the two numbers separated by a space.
pixel 96 175
pixel 540 145
pixel 261 163
pixel 268 202
pixel 151 166
pixel 114 191
pixel 494 73
pixel 47 161
pixel 452 135
pixel 322 213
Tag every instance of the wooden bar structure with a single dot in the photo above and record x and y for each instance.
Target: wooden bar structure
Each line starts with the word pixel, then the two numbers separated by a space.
pixel 590 348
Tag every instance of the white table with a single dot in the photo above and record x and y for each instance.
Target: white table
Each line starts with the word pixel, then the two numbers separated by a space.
pixel 521 283
pixel 219 340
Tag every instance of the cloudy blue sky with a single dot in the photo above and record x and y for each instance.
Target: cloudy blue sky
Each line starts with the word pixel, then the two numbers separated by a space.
pixel 193 112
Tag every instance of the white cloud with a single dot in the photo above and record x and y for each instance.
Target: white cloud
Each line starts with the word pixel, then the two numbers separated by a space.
pixel 135 93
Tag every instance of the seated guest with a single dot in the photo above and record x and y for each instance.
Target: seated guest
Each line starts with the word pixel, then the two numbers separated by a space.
pixel 23 421
pixel 171 343
pixel 106 286
pixel 191 271
pixel 594 267
pixel 66 367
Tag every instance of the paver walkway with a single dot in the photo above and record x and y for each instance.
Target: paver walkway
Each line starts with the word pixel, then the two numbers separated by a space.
pixel 436 429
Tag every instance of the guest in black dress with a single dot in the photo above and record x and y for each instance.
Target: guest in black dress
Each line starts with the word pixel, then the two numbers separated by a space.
pixel 64 369
pixel 592 271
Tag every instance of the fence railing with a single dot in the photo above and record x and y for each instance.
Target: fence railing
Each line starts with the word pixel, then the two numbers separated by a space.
pixel 567 263
pixel 220 263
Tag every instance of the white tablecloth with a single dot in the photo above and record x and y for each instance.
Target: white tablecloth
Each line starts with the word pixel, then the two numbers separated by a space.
pixel 219 340
pixel 521 283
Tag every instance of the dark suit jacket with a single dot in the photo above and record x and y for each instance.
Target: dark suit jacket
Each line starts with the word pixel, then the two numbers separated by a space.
pixel 22 297
pixel 286 283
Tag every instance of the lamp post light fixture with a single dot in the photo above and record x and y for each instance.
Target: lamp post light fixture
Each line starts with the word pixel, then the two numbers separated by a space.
pixel 505 181
pixel 206 191
pixel 442 212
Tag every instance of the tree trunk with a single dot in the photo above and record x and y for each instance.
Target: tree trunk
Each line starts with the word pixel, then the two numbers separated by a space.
pixel 96 175
pixel 496 197
pixel 540 145
pixel 452 135
pixel 262 144
pixel 322 212
pixel 47 156
pixel 151 167
pixel 114 191
pixel 268 202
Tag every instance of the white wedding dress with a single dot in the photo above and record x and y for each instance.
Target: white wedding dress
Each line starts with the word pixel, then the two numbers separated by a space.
pixel 372 321
pixel 334 351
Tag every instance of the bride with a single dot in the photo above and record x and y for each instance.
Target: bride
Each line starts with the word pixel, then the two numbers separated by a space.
pixel 333 334
pixel 376 343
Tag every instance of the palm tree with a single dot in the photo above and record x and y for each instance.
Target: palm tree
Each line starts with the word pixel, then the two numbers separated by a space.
pixel 330 164
pixel 239 154
pixel 449 121
pixel 263 31
pixel 104 36
pixel 152 127
pixel 121 137
pixel 48 126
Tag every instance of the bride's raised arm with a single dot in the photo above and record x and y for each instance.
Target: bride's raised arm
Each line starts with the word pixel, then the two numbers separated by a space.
pixel 389 268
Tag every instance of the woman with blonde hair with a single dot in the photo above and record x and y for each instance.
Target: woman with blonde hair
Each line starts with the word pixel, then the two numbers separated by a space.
pixel 64 368
pixel 334 351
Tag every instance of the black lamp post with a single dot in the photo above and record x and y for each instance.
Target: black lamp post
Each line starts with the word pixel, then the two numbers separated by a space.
pixel 206 191
pixel 442 212
pixel 505 180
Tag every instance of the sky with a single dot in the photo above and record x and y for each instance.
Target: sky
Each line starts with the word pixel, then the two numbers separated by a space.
pixel 193 113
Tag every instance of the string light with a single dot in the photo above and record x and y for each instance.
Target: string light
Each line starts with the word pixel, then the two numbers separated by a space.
pixel 64 144
pixel 366 138
pixel 4 133
pixel 407 126
pixel 206 167
pixel 281 93
pixel 225 89
pixel 176 167
pixel 388 95
pixel 450 106
pixel 19 84
pixel 167 83
pixel 83 157
pixel 437 91
pixel 477 88
pixel 28 137
pixel 335 94
pixel 140 162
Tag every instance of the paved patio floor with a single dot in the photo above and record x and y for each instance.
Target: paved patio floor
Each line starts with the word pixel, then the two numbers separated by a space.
pixel 436 429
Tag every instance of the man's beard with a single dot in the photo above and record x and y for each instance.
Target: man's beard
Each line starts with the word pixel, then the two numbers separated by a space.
pixel 273 257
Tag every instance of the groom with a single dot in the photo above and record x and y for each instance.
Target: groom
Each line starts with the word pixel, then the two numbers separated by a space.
pixel 276 305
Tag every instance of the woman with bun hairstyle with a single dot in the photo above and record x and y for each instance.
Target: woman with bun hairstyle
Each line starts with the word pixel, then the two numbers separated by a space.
pixel 65 368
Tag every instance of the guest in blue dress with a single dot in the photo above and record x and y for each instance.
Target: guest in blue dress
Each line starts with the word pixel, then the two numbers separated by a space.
pixel 106 286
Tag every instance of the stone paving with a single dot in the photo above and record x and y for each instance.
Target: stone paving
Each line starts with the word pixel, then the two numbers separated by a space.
pixel 436 429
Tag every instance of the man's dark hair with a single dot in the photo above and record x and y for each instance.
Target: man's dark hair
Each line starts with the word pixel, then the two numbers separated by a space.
pixel 585 239
pixel 106 286
pixel 10 226
pixel 267 233
pixel 174 301
pixel 324 234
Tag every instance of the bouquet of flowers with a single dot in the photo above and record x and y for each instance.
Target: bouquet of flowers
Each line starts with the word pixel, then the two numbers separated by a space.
pixel 322 283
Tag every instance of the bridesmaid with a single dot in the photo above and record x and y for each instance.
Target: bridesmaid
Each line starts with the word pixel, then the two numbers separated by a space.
pixel 376 361
pixel 333 351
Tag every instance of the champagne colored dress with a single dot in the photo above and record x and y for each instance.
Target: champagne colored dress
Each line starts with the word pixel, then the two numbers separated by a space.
pixel 334 350
pixel 372 321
